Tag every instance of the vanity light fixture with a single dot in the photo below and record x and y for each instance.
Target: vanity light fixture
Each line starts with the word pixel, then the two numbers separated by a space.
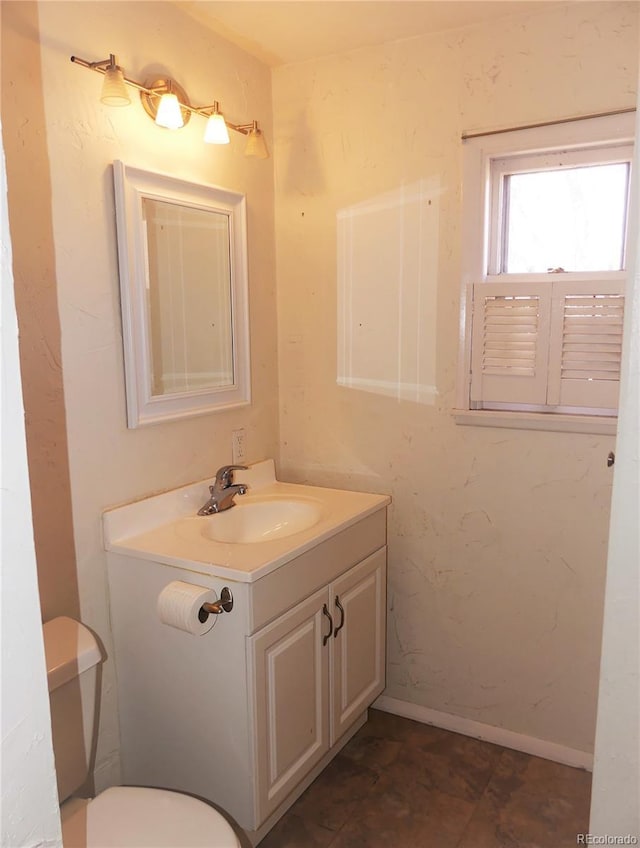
pixel 216 130
pixel 256 145
pixel 168 105
pixel 114 90
pixel 168 113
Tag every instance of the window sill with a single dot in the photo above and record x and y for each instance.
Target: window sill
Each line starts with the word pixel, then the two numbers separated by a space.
pixel 554 422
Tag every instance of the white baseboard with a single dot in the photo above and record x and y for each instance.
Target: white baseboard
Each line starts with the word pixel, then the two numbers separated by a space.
pixel 486 732
pixel 107 773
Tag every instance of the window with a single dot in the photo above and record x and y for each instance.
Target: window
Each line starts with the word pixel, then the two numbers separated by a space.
pixel 544 228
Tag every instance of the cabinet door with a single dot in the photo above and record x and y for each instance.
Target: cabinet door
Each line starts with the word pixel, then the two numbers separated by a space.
pixel 358 655
pixel 290 699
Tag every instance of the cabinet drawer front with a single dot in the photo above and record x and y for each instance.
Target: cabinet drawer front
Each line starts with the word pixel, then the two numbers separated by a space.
pixel 358 602
pixel 290 700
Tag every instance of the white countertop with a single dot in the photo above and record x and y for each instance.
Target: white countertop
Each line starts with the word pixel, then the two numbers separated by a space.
pixel 166 528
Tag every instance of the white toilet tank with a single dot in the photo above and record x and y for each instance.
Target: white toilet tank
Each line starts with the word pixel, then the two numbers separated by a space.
pixel 72 656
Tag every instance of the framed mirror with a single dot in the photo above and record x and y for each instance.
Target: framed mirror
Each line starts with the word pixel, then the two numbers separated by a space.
pixel 182 254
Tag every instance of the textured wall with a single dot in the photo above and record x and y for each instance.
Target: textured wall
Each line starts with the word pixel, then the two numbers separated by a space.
pixel 109 464
pixel 497 538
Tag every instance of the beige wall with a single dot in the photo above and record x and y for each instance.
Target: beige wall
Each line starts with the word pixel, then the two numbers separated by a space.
pixel 497 537
pixel 73 197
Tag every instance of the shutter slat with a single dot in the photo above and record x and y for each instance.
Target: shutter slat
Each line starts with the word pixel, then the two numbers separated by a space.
pixel 578 346
pixel 509 352
pixel 612 339
pixel 577 314
pixel 509 339
pixel 511 372
pixel 513 344
pixel 513 323
pixel 600 376
pixel 586 368
pixel 492 312
pixel 578 304
pixel 595 323
pixel 590 356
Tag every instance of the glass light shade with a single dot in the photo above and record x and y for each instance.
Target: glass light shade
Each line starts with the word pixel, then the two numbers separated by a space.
pixel 169 114
pixel 256 145
pixel 114 89
pixel 216 130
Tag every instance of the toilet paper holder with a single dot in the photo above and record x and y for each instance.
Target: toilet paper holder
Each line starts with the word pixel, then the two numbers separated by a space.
pixel 223 604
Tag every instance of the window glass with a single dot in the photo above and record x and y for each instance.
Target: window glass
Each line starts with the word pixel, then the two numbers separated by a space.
pixel 570 218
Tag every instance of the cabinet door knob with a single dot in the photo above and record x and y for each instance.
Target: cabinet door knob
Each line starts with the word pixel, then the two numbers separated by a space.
pixel 341 608
pixel 325 611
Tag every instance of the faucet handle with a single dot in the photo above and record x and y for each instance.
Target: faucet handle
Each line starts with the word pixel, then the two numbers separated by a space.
pixel 223 475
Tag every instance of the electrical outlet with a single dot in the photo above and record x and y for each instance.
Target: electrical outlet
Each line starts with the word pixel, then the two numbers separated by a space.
pixel 239 446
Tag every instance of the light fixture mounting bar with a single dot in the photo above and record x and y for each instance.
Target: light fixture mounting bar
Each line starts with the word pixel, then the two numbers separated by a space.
pixel 245 129
pixel 101 68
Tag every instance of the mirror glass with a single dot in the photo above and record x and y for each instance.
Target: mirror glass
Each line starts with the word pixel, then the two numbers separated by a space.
pixel 189 297
pixel 183 280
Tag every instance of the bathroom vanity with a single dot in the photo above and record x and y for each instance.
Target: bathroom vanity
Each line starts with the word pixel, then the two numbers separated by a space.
pixel 247 714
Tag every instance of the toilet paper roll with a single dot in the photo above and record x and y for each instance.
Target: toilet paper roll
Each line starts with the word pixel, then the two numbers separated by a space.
pixel 179 604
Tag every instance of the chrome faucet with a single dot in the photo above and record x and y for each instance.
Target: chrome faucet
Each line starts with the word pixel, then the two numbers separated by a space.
pixel 223 490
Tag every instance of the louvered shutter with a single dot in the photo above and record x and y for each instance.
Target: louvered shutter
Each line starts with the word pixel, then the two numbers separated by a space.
pixel 586 344
pixel 510 343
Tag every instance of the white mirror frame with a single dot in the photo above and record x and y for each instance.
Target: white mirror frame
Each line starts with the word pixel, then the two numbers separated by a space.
pixel 132 186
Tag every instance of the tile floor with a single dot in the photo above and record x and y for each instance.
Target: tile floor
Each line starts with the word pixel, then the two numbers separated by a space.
pixel 402 784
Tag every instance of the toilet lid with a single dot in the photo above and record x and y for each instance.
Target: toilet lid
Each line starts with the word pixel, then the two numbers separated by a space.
pixel 134 817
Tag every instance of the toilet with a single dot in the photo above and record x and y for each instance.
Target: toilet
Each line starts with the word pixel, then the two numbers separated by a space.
pixel 122 816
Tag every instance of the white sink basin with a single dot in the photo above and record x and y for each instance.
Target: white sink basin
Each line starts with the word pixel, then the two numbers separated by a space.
pixel 271 525
pixel 262 519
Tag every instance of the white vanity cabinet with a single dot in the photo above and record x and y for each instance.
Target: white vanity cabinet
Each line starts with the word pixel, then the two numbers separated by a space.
pixel 315 670
pixel 249 713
